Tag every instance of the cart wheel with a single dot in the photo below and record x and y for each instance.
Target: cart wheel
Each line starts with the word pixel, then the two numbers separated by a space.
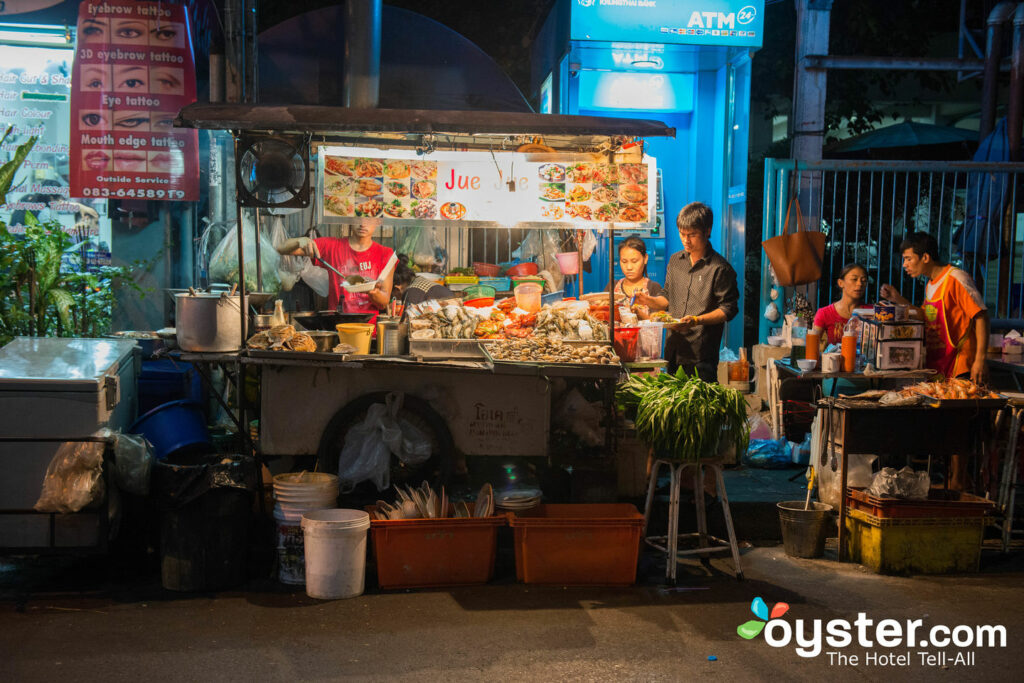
pixel 436 470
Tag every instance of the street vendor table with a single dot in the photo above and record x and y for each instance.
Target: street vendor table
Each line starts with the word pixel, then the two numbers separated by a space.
pixel 875 380
pixel 489 408
pixel 867 427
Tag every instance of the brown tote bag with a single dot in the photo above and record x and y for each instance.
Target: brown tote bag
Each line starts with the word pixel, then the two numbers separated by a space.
pixel 796 257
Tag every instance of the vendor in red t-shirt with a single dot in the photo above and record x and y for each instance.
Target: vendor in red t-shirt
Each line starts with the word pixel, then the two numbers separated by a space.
pixel 831 320
pixel 356 255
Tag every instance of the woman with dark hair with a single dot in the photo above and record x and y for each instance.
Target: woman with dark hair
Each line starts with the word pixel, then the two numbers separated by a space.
pixel 831 320
pixel 411 288
pixel 635 287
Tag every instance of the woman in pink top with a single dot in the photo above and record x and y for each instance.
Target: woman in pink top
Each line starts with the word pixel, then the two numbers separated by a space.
pixel 830 320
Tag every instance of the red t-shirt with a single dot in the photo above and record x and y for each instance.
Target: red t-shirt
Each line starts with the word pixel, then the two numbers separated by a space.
pixel 366 264
pixel 831 323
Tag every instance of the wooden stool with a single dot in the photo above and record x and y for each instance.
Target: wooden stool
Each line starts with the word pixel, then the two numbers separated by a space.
pixel 669 544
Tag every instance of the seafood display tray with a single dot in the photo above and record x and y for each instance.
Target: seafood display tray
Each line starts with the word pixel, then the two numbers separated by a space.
pixel 565 369
pixel 446 349
pixel 965 402
pixel 296 355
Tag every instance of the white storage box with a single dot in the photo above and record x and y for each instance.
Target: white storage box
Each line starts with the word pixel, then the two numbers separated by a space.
pixel 899 355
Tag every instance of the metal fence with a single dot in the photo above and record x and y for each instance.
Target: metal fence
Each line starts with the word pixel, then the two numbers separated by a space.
pixel 974 210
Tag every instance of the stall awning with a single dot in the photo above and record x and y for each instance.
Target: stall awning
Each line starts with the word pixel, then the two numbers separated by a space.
pixel 400 122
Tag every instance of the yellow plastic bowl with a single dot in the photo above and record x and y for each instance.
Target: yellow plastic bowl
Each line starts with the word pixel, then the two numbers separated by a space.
pixel 357 335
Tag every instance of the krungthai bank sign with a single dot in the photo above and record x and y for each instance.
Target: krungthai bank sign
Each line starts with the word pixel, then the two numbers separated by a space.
pixel 737 23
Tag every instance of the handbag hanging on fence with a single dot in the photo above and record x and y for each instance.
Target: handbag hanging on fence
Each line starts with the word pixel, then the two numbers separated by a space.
pixel 796 257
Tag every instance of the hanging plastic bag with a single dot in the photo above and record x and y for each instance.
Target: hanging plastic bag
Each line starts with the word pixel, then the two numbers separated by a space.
pixel 366 455
pixel 541 246
pixel 318 279
pixel 427 253
pixel 290 267
pixel 224 262
pixel 580 417
pixel 74 478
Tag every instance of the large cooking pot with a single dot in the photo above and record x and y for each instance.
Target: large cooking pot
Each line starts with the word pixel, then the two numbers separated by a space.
pixel 208 322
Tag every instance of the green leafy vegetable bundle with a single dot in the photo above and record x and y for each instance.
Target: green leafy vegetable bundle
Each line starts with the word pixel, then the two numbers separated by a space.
pixel 684 417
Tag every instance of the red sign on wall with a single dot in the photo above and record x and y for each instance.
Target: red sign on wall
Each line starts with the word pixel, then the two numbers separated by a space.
pixel 133 72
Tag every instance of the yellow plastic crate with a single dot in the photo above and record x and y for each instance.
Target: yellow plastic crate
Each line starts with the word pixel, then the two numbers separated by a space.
pixel 915 545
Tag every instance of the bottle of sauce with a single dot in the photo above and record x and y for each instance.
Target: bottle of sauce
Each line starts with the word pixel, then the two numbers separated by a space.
pixel 849 351
pixel 811 351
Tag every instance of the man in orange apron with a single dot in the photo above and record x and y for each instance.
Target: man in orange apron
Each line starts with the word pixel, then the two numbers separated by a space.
pixel 956 324
pixel 955 316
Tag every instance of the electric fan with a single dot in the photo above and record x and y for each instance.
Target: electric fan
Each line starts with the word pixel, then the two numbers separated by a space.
pixel 272 172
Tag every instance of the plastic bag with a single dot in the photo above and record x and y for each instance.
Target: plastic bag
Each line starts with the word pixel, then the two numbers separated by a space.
pixel 858 470
pixel 768 454
pixel 759 429
pixel 290 267
pixel 318 279
pixel 175 484
pixel 366 454
pixel 580 417
pixel 133 463
pixel 541 246
pixel 427 253
pixel 906 484
pixel 74 478
pixel 224 262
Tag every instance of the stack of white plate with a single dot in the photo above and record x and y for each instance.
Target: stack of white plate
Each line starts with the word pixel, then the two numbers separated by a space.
pixel 524 499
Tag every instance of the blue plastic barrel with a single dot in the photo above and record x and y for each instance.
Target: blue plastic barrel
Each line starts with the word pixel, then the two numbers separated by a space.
pixel 174 427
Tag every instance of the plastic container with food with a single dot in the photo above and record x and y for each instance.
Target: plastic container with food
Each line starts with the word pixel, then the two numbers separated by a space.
pixel 626 339
pixel 528 296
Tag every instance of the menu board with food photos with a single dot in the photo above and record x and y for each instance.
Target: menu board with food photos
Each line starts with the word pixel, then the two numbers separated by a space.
pixel 133 72
pixel 482 189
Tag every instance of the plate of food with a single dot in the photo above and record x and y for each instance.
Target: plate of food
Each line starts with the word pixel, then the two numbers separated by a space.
pixel 397 189
pixel 423 189
pixel 357 284
pixel 369 168
pixel 604 194
pixel 579 211
pixel 369 187
pixel 371 208
pixel 394 209
pixel 605 173
pixel 396 169
pixel 577 193
pixel 633 173
pixel 453 211
pixel 633 193
pixel 424 208
pixel 339 206
pixel 663 317
pixel 606 213
pixel 553 173
pixel 424 170
pixel 339 166
pixel 633 213
pixel 580 173
pixel 553 211
pixel 339 186
pixel 552 192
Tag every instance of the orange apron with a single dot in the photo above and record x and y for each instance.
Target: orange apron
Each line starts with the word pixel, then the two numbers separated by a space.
pixel 940 350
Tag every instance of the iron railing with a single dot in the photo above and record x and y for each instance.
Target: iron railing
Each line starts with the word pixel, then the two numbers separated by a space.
pixel 974 210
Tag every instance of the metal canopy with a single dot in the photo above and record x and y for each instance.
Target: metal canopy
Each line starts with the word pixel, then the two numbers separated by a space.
pixel 400 122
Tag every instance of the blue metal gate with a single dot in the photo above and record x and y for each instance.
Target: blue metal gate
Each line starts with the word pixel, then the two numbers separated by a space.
pixel 865 208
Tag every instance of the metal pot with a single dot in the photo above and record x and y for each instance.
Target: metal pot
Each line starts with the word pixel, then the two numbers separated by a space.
pixel 392 336
pixel 208 322
pixel 325 341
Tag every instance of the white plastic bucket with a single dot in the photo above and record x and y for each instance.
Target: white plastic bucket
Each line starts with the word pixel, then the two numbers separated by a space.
pixel 315 490
pixel 335 544
pixel 291 554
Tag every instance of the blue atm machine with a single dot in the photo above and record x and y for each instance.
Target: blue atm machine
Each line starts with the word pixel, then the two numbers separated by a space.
pixel 683 62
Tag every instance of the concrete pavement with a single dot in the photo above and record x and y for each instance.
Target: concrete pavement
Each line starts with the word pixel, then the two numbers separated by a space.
pixel 81 625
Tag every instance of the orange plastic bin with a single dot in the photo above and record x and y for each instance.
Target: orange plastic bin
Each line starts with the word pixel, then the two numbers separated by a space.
pixel 421 553
pixel 578 545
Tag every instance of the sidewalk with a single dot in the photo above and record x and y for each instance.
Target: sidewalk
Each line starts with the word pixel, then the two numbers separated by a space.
pixel 132 629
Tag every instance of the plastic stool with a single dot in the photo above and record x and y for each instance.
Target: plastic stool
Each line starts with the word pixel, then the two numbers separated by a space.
pixel 669 544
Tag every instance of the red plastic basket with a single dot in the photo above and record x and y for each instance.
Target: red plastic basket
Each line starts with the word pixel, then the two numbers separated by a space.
pixel 420 553
pixel 578 545
pixel 940 503
pixel 486 269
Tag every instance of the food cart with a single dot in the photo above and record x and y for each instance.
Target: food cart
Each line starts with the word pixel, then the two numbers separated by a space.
pixel 465 399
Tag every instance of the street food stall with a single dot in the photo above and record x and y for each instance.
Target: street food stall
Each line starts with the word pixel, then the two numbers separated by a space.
pixel 475 380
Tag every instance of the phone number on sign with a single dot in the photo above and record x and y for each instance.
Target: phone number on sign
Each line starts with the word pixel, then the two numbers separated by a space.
pixel 129 192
